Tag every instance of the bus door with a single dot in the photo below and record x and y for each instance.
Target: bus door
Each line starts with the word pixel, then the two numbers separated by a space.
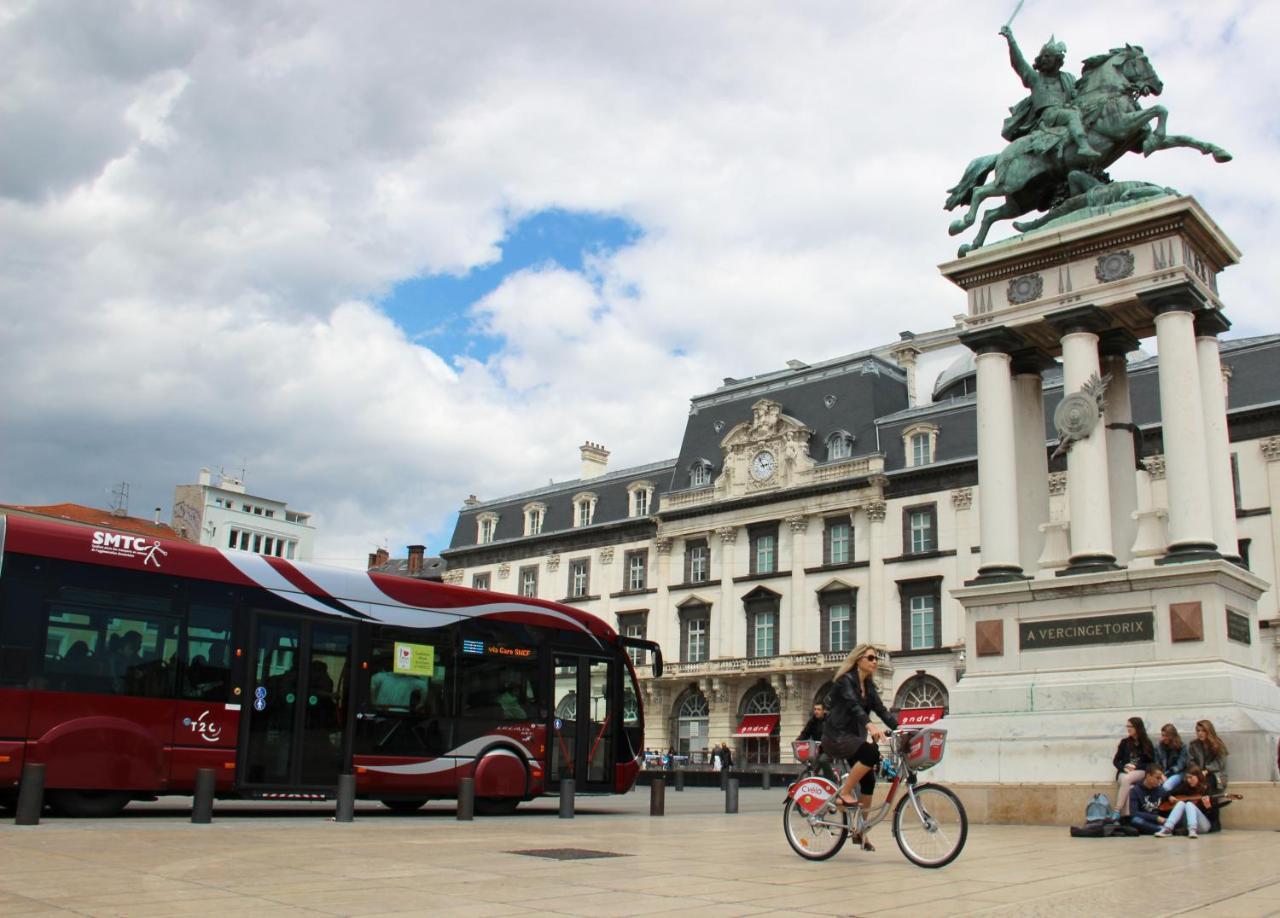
pixel 583 722
pixel 299 697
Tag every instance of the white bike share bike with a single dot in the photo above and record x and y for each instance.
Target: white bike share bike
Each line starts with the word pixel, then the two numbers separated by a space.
pixel 929 822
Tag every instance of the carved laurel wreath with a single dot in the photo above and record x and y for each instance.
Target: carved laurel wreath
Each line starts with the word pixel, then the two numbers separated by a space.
pixel 1078 413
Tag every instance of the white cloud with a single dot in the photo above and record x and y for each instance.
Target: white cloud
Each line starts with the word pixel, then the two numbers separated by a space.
pixel 199 203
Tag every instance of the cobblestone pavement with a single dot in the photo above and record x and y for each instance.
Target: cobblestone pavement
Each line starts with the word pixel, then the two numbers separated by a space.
pixel 277 860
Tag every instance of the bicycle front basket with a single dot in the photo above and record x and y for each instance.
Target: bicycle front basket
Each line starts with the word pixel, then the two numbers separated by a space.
pixel 804 750
pixel 926 748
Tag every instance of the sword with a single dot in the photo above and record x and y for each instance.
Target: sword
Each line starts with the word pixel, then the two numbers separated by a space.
pixel 1017 9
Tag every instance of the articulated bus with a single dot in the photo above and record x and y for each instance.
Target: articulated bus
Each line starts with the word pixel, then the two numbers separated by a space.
pixel 128 662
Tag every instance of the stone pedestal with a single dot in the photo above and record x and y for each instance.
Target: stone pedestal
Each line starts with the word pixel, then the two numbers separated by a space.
pixel 1058 662
pixel 1058 666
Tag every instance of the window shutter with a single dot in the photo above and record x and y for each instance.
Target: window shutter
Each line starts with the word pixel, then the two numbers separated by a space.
pixel 826 542
pixel 688 560
pixel 824 616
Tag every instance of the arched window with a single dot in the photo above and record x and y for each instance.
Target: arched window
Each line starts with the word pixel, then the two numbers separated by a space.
pixel 839 445
pixel 693 715
pixel 761 750
pixel 700 473
pixel 486 527
pixel 921 691
pixel 920 443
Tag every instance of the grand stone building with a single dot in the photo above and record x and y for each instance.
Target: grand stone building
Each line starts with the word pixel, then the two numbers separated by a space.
pixel 814 507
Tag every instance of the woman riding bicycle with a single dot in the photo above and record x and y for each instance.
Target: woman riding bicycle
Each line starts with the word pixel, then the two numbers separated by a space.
pixel 848 732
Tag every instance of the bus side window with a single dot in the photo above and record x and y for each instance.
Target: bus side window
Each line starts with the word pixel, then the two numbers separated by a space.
pixel 73 661
pixel 207 667
pixel 20 624
pixel 498 689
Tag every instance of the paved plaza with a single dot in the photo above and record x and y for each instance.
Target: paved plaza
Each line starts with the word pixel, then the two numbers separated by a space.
pixel 278 860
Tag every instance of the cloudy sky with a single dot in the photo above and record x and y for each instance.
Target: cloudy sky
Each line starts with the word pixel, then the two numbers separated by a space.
pixel 384 255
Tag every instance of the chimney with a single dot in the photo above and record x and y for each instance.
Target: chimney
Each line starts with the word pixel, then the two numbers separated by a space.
pixel 381 557
pixel 415 559
pixel 157 516
pixel 595 458
pixel 206 477
pixel 471 501
pixel 373 560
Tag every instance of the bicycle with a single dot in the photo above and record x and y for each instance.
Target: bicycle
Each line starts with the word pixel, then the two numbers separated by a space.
pixel 929 822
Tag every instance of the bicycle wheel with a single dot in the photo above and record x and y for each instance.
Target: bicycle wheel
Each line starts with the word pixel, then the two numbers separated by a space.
pixel 935 840
pixel 815 841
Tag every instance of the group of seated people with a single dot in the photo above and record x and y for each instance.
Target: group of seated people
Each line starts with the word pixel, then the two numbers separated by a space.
pixel 1169 785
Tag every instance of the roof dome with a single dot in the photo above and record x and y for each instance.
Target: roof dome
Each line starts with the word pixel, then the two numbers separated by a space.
pixel 960 368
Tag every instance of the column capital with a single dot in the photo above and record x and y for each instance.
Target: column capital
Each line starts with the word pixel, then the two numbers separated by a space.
pixel 1117 342
pixel 798 523
pixel 1183 297
pixel 1030 361
pixel 876 510
pixel 992 341
pixel 662 544
pixel 1210 323
pixel 727 534
pixel 1079 319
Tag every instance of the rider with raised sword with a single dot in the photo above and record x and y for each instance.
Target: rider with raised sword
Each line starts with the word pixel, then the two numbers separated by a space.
pixel 1052 94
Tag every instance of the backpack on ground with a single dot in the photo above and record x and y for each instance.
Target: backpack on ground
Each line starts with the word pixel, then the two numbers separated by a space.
pixel 1098 809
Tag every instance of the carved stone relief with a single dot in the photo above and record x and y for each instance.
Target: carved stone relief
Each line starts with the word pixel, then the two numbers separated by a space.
pixel 662 545
pixel 1114 266
pixel 962 498
pixel 1025 289
pixel 1154 465
pixel 1057 483
pixel 553 562
pixel 606 555
pixel 504 571
pixel 1270 448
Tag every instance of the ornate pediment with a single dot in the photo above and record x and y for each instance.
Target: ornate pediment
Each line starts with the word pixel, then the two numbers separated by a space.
pixel 768 452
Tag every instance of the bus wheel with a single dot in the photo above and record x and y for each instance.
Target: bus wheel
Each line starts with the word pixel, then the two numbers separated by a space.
pixel 88 804
pixel 404 806
pixel 496 806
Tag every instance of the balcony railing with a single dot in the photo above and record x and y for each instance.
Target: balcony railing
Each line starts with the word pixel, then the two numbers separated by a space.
pixel 790 661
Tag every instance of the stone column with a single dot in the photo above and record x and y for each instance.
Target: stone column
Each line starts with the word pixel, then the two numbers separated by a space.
pixel 1030 454
pixel 791 628
pixel 1182 416
pixel 1217 442
pixel 870 628
pixel 906 355
pixel 1089 486
pixel 997 461
pixel 724 621
pixel 660 620
pixel 1122 474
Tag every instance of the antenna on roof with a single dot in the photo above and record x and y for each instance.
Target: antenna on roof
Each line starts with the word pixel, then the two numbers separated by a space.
pixel 243 466
pixel 120 499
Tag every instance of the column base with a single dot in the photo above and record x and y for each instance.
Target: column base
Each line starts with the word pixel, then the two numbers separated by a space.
pixel 1089 564
pixel 997 573
pixel 1190 551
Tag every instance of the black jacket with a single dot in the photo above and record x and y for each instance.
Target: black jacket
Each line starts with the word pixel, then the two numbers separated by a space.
pixel 850 710
pixel 1129 751
pixel 813 729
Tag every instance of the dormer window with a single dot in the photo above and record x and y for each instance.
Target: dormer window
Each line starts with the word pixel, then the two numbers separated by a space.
pixel 920 443
pixel 640 497
pixel 534 514
pixel 584 509
pixel 486 528
pixel 839 445
pixel 700 474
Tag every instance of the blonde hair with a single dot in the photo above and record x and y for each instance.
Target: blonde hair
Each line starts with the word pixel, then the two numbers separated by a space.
pixel 1212 740
pixel 851 660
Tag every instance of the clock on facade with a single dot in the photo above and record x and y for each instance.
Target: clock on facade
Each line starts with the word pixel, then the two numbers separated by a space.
pixel 762 465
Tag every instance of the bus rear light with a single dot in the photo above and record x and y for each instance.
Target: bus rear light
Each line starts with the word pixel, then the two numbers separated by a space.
pixel 239 652
pixel 4 759
pixel 229 765
pixel 364 664
pixel 361 771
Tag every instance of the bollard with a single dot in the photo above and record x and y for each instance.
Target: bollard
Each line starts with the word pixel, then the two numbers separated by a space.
pixel 30 796
pixel 766 779
pixel 679 780
pixel 731 796
pixel 724 779
pixel 658 798
pixel 346 810
pixel 466 799
pixel 202 804
pixel 566 798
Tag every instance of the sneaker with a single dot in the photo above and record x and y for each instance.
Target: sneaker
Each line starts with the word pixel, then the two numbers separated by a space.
pixel 1115 816
pixel 1193 833
pixel 1164 833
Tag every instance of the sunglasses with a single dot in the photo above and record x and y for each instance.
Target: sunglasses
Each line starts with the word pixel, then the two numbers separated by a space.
pixel 872 658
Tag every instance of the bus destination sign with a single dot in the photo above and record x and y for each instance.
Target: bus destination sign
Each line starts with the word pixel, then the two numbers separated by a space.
pixel 1124 628
pixel 495 649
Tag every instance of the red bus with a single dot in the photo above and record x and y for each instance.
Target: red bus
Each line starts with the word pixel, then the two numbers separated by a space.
pixel 127 663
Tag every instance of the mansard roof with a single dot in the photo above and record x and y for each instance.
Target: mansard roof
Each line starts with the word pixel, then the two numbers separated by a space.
pixel 843 395
pixel 612 503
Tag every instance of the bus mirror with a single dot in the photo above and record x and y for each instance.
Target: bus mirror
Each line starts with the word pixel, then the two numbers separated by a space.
pixel 648 647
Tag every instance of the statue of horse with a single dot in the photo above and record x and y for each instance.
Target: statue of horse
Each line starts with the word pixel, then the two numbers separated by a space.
pixel 1031 172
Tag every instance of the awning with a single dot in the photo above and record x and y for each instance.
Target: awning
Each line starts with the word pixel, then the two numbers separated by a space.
pixel 918 717
pixel 758 725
